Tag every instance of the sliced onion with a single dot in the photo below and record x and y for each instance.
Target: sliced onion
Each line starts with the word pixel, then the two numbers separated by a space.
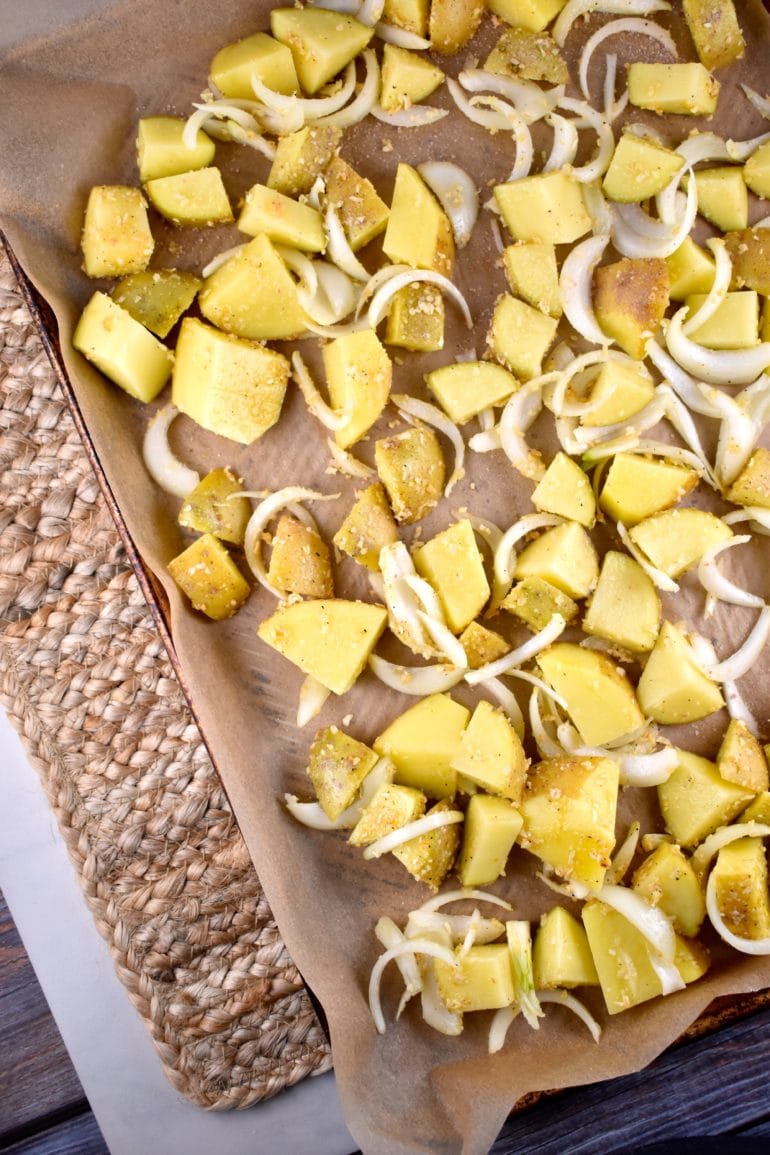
pixel 618 28
pixel 490 533
pixel 498 1028
pixel 403 606
pixel 262 515
pixel 649 920
pixel 463 895
pixel 597 207
pixel 758 518
pixel 533 680
pixel 519 412
pixel 591 171
pixel 760 103
pixel 330 418
pixel 220 259
pixel 645 770
pixel 389 935
pixel 576 8
pixel 716 366
pixel 431 415
pixel 412 830
pixel 565 999
pixel 283 114
pixel 504 561
pixel 738 435
pixel 370 11
pixel 710 847
pixel 631 243
pixel 446 643
pixel 247 137
pixel 565 143
pixel 338 247
pixel 346 463
pixel 382 298
pixel 486 419
pixel 485 930
pixel 656 576
pixel 522 137
pixel 645 419
pixel 681 419
pixel 216 110
pixel 612 107
pixel 488 118
pixel 521 654
pixel 623 856
pixel 740 662
pixel 685 386
pixel 508 703
pixel 487 441
pixel 737 708
pixel 417 116
pixel 576 291
pixel 718 586
pixel 300 264
pixel 327 295
pixel 417 681
pixel 457 194
pixel 401 37
pixel 718 291
pixel 703 146
pixel 312 696
pixel 753 946
pixel 408 946
pixel 529 100
pixel 312 815
pixel 363 104
pixel 497 236
pixel 545 742
pixel 162 464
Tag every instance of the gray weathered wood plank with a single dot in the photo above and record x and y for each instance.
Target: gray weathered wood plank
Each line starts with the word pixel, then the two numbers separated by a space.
pixel 78 1136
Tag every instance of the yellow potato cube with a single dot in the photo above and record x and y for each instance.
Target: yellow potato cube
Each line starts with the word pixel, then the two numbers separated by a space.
pixel 452 23
pixel 406 78
pixel 464 388
pixel 687 89
pixel 422 742
pixel 758 810
pixel 696 800
pixel 640 168
pixel 480 980
pixel 530 55
pixel 564 489
pixel 625 607
pixel 690 270
pixel 715 31
pixel 756 172
pixel 532 274
pixel 533 15
pixel 253 295
pixel 429 857
pixel 492 825
pixel 191 199
pixel 749 251
pixel 368 526
pixel 283 220
pixel 160 150
pixel 563 556
pixel 752 485
pixel 691 959
pixel 490 753
pixel 722 197
pixel 520 336
pixel 213 507
pixel 122 349
pixel 621 956
pixel 337 766
pixel 741 759
pixel 210 578
pixel 734 324
pixel 630 299
pixel 358 374
pixel 600 698
pixel 452 563
pixel 667 880
pixel 619 392
pixel 740 880
pixel 482 645
pixel 299 561
pixel 330 639
pixel 411 467
pixel 548 207
pixel 677 539
pixel 416 319
pixel 409 14
pixel 321 42
pixel 418 231
pixel 561 956
pixel 229 386
pixel 673 688
pixel 535 601
pixel 361 211
pixel 117 238
pixel 637 487
pixel 157 298
pixel 301 157
pixel 258 55
pixel 391 808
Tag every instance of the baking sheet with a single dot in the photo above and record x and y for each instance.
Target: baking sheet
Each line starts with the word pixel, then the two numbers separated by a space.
pixel 71 104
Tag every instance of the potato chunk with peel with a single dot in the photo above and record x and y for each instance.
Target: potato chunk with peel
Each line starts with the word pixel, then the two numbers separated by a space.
pixel 429 857
pixel 532 274
pixel 561 956
pixel 492 825
pixel 673 688
pixel 637 487
pixel 687 89
pixel 564 489
pixel 490 753
pixel 191 198
pixel 122 349
pixel 157 298
pixel 422 743
pixel 482 645
pixel 321 42
pixel 411 15
pixel 416 319
pixel 535 601
pixel 253 295
pixel 621 956
pixel 411 467
pixel 301 157
pixel 418 231
pixel 741 759
pixel 300 561
pixel 117 238
pixel 480 980
pixel 368 526
pixel 677 539
pixel 752 485
pixel 452 563
pixel 667 880
pixel 715 31
pixel 569 808
pixel 307 634
pixel 530 55
pixel 630 299
pixel 624 607
pixel 563 556
pixel 749 251
pixel 363 214
pixel 214 507
pixel 600 698
pixel 452 23
pixel 337 767
pixel 358 374
pixel 696 800
pixel 282 219
pixel 640 168
pixel 391 808
pixel 740 880
pixel 210 578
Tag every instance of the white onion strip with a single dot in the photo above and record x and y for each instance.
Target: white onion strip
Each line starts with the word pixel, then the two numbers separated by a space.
pixel 364 102
pixel 457 194
pixel 529 100
pixel 760 103
pixel 408 946
pixel 718 291
pixel 504 561
pixel 644 770
pixel 262 515
pixel 715 366
pixel 565 999
pixel 346 463
pixel 220 259
pixel 163 466
pixel 630 243
pixel 589 116
pixel 618 28
pixel 519 412
pixel 708 849
pixel 418 116
pixel 719 587
pixel 685 386
pixel 546 743
pixel 656 576
pixel 338 247
pixel 653 924
pixel 740 662
pixel 463 895
pixel 401 37
pixel 389 935
pixel 311 814
pixel 575 8
pixel 431 415
pixel 312 696
pixel 506 699
pixel 498 1028
pixel 623 856
pixel 521 654
pixel 565 143
pixel 417 681
pixel 383 296
pixel 330 418
pixel 576 288
pixel 412 830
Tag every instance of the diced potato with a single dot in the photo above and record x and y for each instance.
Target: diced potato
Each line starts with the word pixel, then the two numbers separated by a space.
pixel 229 386
pixel 253 295
pixel 490 753
pixel 758 810
pixel 358 374
pixel 741 758
pixel 752 485
pixel 452 23
pixel 640 168
pixel 740 881
pixel 213 507
pixel 210 578
pixel 300 561
pixel 630 299
pixel 429 857
pixel 696 800
pixel 282 219
pixel 391 808
pixel 480 980
pixel 687 89
pixel 667 880
pixel 533 15
pixel 749 251
pixel 191 198
pixel 561 956
pixel 464 388
pixel 156 298
pixel 321 42
pixel 411 467
pixel 492 825
pixel 625 607
pixel 673 688
pixel 363 214
pixel 302 156
pixel 258 55
pixel 618 392
pixel 117 238
pixel 600 699
pixel 621 955
pixel 530 268
pixel 482 645
pixel 564 489
pixel 452 563
pixel 677 539
pixel 756 172
pixel 569 809
pixel 715 31
pixel 536 600
pixel 406 78
pixel 303 631
pixel 563 556
pixel 422 742
pixel 416 319
pixel 691 959
pixel 690 270
pixel 722 197
pixel 409 14
pixel 637 487
pixel 122 349
pixel 368 526
pixel 547 207
pixel 530 55
pixel 338 765
pixel 520 336
pixel 418 231
pixel 160 150
pixel 734 324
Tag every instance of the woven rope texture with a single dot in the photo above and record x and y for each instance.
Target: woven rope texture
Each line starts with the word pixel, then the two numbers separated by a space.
pixel 88 684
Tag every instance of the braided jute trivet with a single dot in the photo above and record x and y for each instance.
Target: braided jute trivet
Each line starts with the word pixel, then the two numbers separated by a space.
pixel 88 684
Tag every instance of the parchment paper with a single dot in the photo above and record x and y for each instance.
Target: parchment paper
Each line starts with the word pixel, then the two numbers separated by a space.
pixel 70 105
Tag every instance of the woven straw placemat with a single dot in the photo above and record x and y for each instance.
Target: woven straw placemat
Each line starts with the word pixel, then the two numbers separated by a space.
pixel 87 682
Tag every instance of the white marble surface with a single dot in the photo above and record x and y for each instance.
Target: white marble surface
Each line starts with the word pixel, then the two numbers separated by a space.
pixel 135 1106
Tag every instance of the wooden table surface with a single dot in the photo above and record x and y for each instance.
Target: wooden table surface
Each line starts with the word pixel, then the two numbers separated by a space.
pixel 712 1088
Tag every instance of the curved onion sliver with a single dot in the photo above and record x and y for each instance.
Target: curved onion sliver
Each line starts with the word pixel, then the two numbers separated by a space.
pixel 163 466
pixel 617 28
pixel 575 288
pixel 417 681
pixel 575 8
pixel 456 192
pixel 715 366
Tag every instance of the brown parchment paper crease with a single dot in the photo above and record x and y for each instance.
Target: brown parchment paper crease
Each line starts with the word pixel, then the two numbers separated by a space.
pixel 70 105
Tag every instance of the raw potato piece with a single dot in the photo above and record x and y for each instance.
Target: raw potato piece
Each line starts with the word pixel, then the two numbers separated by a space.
pixel 411 467
pixel 618 392
pixel 302 633
pixel 409 14
pixel 640 168
pixel 418 232
pixel 673 688
pixel 531 272
pixel 687 89
pixel 422 742
pixel 157 298
pixel 429 857
pixel 229 386
pixel 259 55
pixel 482 645
pixel 282 219
pixel 117 238
pixel 600 699
pixel 367 528
pixel 406 78
pixel 741 759
pixel 492 825
pixel 122 349
pixel 452 23
pixel 621 955
pixel 300 561
pixel 637 487
pixel 321 42
pixel 361 211
pixel 301 157
pixel 691 270
pixel 677 539
pixel 253 295
pixel 466 387
pixel 530 55
pixel 160 150
pixel 722 197
pixel 569 811
pixel 548 207
pixel 563 556
pixel 734 324
pixel 416 319
pixel 564 489
pixel 191 198
pixel 535 601
pixel 667 880
pixel 480 980
pixel 630 299
pixel 740 880
pixel 756 171
pixel 452 564
pixel 490 754
pixel 752 485
pixel 715 30
pixel 520 336
pixel 561 957
pixel 210 578
pixel 696 800
pixel 338 765
pixel 532 15
pixel 358 374
pixel 624 607
pixel 212 507
pixel 391 808
pixel 749 251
